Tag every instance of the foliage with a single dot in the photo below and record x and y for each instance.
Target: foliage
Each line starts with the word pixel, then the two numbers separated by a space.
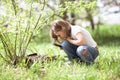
pixel 20 21
pixel 106 35
pixel 74 6
pixel 58 8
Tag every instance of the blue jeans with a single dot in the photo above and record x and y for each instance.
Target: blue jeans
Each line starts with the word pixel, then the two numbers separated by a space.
pixel 86 53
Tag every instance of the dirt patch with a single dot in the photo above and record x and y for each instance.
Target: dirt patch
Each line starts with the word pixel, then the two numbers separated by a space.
pixel 30 59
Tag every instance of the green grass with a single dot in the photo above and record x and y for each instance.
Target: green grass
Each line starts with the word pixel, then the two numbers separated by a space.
pixel 106 67
pixel 107 35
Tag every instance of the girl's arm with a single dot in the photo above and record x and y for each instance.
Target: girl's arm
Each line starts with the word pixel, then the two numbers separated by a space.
pixel 80 40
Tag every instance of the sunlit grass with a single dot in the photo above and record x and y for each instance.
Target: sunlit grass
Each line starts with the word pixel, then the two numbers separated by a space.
pixel 106 66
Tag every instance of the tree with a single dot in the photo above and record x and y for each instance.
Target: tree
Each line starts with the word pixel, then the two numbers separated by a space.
pixel 74 8
pixel 21 21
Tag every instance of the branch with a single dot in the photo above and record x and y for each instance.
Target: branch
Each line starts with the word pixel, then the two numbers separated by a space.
pixel 14 6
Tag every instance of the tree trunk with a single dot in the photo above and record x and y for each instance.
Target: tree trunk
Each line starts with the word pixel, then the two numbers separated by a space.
pixel 90 18
pixel 65 15
pixel 92 23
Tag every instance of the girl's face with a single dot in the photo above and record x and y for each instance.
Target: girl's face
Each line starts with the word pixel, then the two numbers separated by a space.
pixel 60 34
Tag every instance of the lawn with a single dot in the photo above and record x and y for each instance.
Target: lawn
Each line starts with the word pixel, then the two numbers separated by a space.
pixel 106 66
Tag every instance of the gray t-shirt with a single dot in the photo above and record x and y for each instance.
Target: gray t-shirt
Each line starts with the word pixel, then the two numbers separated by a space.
pixel 88 38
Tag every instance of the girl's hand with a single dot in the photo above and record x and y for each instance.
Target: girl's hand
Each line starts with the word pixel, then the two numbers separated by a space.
pixel 80 40
pixel 68 38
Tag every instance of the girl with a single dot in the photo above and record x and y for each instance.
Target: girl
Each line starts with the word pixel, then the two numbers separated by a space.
pixel 76 41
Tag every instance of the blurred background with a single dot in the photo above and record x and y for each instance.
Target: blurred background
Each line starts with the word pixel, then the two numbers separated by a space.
pixel 86 13
pixel 29 21
pixel 101 17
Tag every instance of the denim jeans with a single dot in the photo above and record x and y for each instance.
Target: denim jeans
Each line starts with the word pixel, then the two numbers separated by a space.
pixel 86 53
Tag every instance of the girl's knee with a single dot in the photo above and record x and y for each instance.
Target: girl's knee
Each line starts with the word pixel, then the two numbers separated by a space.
pixel 84 54
pixel 81 50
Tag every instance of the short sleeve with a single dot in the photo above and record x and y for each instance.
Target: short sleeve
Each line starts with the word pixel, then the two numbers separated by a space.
pixel 75 30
